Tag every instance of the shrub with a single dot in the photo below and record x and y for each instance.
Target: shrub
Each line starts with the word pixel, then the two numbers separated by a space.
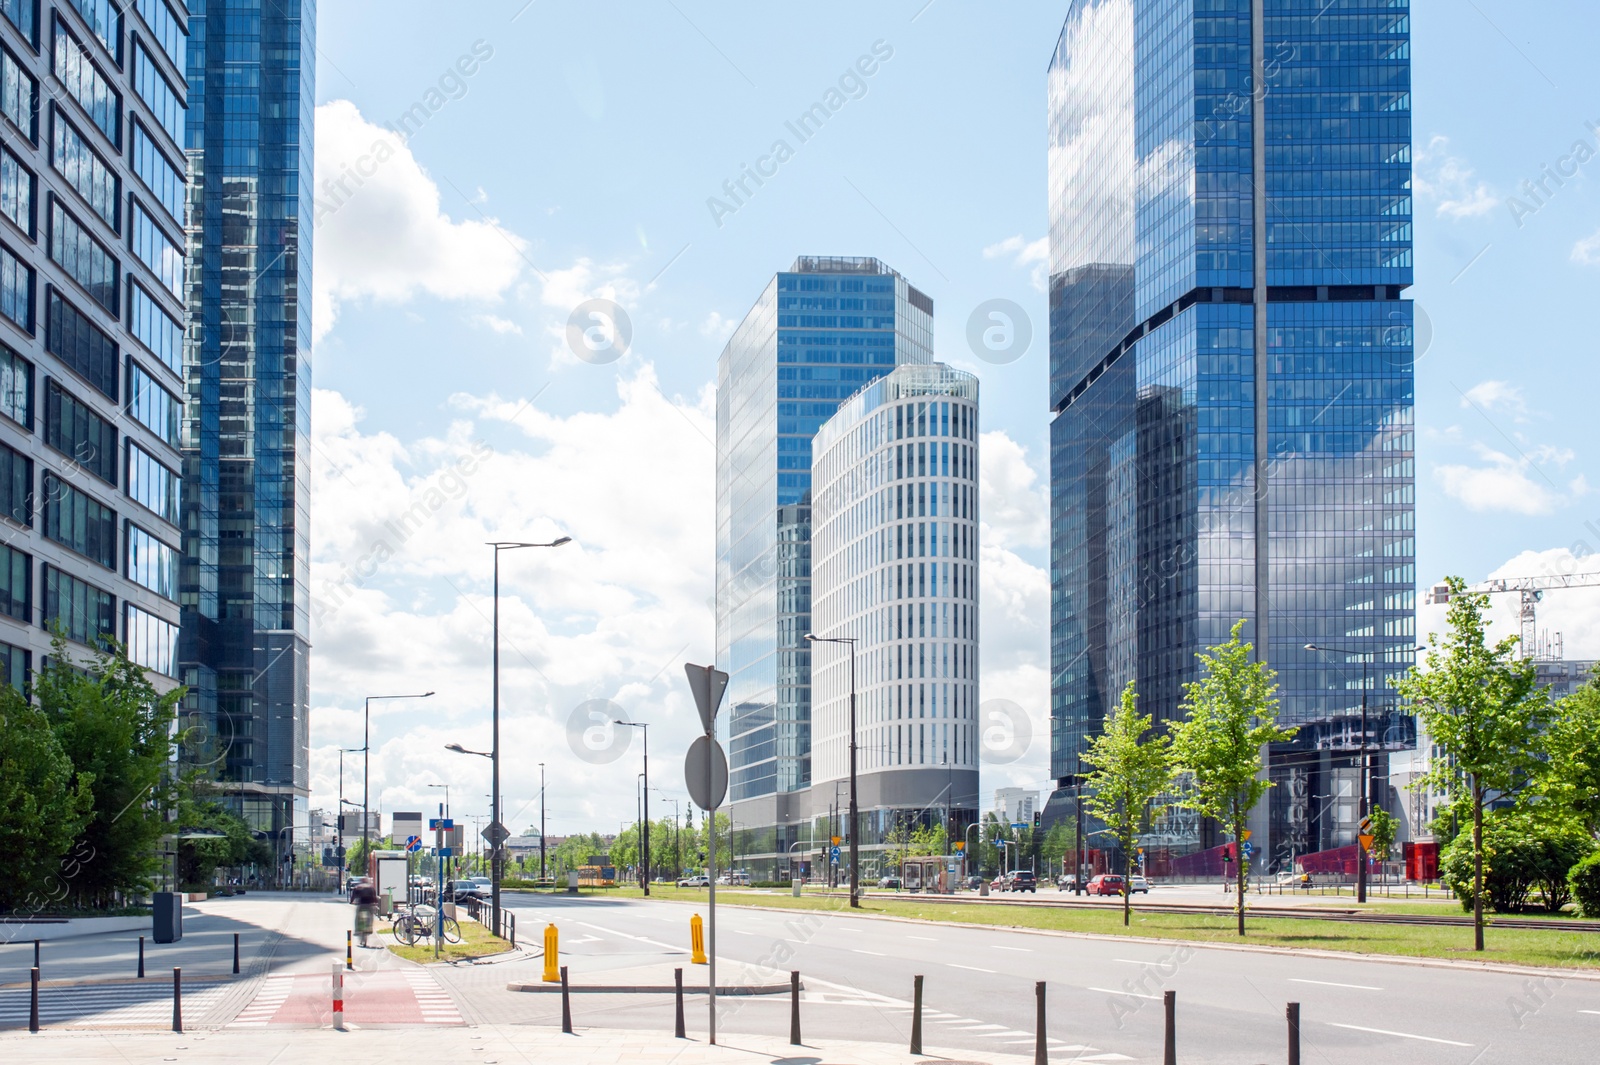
pixel 1584 883
pixel 1520 855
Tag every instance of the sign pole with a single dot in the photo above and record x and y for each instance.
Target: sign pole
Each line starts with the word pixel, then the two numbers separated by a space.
pixel 706 774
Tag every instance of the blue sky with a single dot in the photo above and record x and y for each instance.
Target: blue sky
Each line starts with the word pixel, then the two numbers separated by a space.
pixel 568 151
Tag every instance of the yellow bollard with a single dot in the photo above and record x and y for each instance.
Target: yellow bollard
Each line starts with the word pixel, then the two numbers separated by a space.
pixel 697 940
pixel 552 955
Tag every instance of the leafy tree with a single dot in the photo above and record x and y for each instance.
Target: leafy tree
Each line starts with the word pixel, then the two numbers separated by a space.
pixel 1482 706
pixel 1231 714
pixel 1522 852
pixel 234 844
pixel 1055 846
pixel 1583 880
pixel 1385 827
pixel 44 804
pixel 1569 776
pixel 117 730
pixel 1132 768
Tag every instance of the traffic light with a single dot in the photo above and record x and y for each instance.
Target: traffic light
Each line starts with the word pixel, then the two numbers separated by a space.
pixel 1038 816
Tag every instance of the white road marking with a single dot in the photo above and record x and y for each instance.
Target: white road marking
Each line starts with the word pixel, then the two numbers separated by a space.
pixel 1132 961
pixel 1024 950
pixel 737 932
pixel 973 1026
pixel 874 953
pixel 1398 1035
pixel 1330 983
pixel 1596 1012
pixel 970 968
pixel 925 939
pixel 1131 994
pixel 637 939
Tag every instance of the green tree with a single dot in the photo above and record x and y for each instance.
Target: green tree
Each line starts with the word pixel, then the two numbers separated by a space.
pixel 117 730
pixel 44 804
pixel 1522 852
pixel 232 845
pixel 1132 768
pixel 1483 708
pixel 1056 845
pixel 1569 775
pixel 1385 827
pixel 1231 714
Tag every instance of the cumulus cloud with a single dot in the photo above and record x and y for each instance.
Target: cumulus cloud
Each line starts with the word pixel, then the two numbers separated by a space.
pixel 1587 250
pixel 495 324
pixel 1496 395
pixel 1517 485
pixel 1013 500
pixel 1032 254
pixel 1451 183
pixel 380 229
pixel 1573 613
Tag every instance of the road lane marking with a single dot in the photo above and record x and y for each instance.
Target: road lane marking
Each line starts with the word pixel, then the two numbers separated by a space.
pixel 974 1026
pixel 637 939
pixel 737 932
pixel 925 939
pixel 1025 950
pixel 874 953
pixel 1398 1035
pixel 1596 1012
pixel 1330 983
pixel 970 968
pixel 1132 994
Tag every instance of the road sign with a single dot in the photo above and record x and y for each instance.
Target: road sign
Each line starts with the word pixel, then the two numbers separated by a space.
pixel 705 771
pixel 496 833
pixel 1019 824
pixel 1249 849
pixel 1366 841
pixel 959 846
pixel 1366 824
pixel 1245 834
pixel 834 854
pixel 836 841
pixel 708 683
pixel 437 823
pixel 413 843
pixel 444 852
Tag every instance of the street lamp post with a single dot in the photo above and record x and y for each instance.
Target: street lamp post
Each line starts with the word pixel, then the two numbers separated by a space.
pixel 496 859
pixel 366 767
pixel 644 817
pixel 1366 768
pixel 1077 841
pixel 541 820
pixel 855 826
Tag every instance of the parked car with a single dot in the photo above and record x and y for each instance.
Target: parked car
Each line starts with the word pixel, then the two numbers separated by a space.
pixel 1067 882
pixel 462 890
pixel 1138 885
pixel 1022 880
pixel 889 883
pixel 1106 884
pixel 695 881
pixel 999 883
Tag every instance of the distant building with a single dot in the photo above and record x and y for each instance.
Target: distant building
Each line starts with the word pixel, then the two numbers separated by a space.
pixel 1012 805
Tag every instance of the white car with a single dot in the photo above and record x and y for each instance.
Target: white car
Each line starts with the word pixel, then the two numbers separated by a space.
pixel 1137 885
pixel 695 881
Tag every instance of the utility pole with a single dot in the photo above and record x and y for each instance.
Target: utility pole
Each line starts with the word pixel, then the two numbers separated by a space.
pixel 541 820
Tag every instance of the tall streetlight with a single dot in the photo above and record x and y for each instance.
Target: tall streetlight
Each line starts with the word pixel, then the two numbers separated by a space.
pixel 541 820
pixel 677 835
pixel 644 816
pixel 496 861
pixel 854 829
pixel 366 766
pixel 1366 768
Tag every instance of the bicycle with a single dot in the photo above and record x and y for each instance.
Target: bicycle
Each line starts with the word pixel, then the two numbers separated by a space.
pixel 419 923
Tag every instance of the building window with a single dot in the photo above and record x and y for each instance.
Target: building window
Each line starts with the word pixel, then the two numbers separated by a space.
pixel 17 185
pixel 88 86
pixel 84 259
pixel 151 484
pixel 15 665
pixel 16 486
pixel 105 19
pixel 159 176
pixel 80 522
pixel 76 431
pixel 18 96
pixel 152 563
pixel 87 173
pixel 165 28
pixel 24 15
pixel 16 387
pixel 155 91
pixel 153 406
pixel 15 577
pixel 82 611
pixel 151 643
pixel 80 344
pixel 157 251
pixel 155 328
pixel 16 290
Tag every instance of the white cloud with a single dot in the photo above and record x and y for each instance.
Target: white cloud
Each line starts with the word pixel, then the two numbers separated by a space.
pixel 1516 485
pixel 1574 613
pixel 1034 254
pixel 380 229
pixel 1013 502
pixel 494 323
pixel 1587 250
pixel 1451 182
pixel 1492 395
pixel 717 327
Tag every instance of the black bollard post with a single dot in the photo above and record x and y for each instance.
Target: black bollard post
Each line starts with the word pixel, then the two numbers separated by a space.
pixel 36 954
pixel 916 1014
pixel 141 957
pixel 177 998
pixel 236 954
pixel 1041 1048
pixel 794 1009
pixel 677 1027
pixel 1170 1000
pixel 33 1003
pixel 1293 1012
pixel 566 1004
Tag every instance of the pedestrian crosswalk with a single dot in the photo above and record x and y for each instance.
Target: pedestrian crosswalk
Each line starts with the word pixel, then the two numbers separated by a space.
pixel 406 996
pixel 129 1005
pixel 273 994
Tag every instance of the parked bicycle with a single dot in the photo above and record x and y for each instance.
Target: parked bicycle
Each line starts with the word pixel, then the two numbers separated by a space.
pixel 419 923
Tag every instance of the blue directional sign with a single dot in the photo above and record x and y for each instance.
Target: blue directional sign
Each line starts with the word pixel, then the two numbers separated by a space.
pixel 413 843
pixel 1249 849
pixel 444 852
pixel 834 854
pixel 440 822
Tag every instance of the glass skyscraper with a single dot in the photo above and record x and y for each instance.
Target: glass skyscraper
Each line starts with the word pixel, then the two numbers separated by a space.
pixel 817 334
pixel 1231 378
pixel 246 431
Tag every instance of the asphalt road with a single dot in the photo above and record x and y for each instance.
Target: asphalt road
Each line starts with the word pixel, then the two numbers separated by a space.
pixel 1104 995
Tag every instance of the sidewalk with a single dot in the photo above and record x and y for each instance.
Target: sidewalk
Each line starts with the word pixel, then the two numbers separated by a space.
pixel 502 1044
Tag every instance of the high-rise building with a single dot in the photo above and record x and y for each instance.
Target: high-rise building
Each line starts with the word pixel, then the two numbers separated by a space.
pixel 246 439
pixel 818 333
pixel 91 297
pixel 894 568
pixel 1231 377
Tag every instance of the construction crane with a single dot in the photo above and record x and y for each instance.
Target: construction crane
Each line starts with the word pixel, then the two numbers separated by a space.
pixel 1532 590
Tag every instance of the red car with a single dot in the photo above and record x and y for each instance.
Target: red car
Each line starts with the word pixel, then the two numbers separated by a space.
pixel 1106 884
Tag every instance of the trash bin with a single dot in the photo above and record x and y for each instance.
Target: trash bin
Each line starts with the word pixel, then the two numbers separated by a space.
pixel 166 922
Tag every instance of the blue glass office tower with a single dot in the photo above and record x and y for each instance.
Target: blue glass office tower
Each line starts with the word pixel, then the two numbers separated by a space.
pixel 1230 376
pixel 818 333
pixel 245 576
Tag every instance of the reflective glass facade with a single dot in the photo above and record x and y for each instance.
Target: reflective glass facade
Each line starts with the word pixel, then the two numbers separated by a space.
pixel 817 334
pixel 244 580
pixel 1213 393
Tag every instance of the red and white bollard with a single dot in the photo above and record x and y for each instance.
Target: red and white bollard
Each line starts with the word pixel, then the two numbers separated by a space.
pixel 338 998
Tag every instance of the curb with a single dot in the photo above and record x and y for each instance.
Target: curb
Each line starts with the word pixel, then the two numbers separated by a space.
pixel 734 990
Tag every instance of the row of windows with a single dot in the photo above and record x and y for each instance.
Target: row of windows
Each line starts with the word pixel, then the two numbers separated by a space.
pixel 80 344
pixel 87 85
pixel 157 92
pixel 89 175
